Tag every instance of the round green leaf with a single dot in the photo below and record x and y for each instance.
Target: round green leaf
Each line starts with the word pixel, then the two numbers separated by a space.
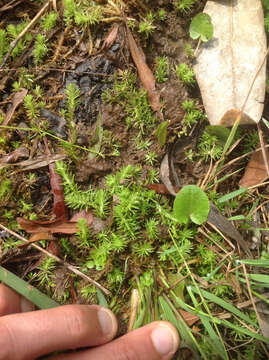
pixel 191 203
pixel 201 26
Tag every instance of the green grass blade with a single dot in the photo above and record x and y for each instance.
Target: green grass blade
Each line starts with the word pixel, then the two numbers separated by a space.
pixel 28 291
pixel 257 262
pixel 231 137
pixel 225 305
pixel 101 298
pixel 232 195
pixel 245 331
pixel 193 311
pixel 259 277
pixel 186 337
pixel 224 178
pixel 260 296
pixel 256 284
pixel 215 340
pixel 237 217
pixel 140 319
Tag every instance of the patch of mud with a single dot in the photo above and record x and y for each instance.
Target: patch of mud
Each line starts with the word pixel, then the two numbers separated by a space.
pixel 92 78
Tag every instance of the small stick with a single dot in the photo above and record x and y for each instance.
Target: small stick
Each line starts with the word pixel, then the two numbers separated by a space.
pixel 264 154
pixel 200 230
pixel 10 5
pixel 24 31
pixel 254 79
pixel 90 42
pixel 250 293
pixel 60 261
pixel 78 42
pixel 197 48
pixel 40 68
pixel 205 182
pixel 54 5
pixel 239 158
pixel 60 44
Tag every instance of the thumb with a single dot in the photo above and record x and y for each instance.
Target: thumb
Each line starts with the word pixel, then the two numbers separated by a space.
pixel 156 341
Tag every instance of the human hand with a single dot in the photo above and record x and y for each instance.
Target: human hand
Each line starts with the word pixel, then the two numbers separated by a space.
pixel 26 334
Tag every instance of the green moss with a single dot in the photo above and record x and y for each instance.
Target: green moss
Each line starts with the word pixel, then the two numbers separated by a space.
pixel 146 26
pixel 49 20
pixel 161 72
pixel 185 74
pixel 40 48
pixel 184 6
pixel 5 188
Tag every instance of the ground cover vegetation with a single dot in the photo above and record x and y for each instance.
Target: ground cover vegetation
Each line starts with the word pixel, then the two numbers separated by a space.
pixel 70 95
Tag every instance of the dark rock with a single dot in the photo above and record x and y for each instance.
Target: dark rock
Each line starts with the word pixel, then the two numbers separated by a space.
pixel 56 122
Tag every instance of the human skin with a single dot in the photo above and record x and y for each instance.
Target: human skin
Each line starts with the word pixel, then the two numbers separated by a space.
pixel 28 334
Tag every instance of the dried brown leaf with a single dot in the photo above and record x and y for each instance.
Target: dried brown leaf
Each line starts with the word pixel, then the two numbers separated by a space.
pixel 83 214
pixel 255 172
pixel 21 152
pixel 161 189
pixel 36 163
pixel 59 207
pixel 189 319
pixel 227 64
pixel 111 37
pixel 225 226
pixel 165 175
pixel 145 74
pixel 38 237
pixel 16 101
pixel 55 226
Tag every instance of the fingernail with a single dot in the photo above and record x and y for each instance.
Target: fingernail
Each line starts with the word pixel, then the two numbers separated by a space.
pixel 164 340
pixel 107 321
pixel 26 305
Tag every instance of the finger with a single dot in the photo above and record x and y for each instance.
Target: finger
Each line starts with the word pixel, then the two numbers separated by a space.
pixel 29 335
pixel 11 302
pixel 156 341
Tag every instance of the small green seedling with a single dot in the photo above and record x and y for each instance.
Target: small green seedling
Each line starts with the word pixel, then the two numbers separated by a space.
pixel 185 74
pixel 146 26
pixel 185 6
pixel 161 133
pixel 161 72
pixel 221 132
pixel 191 203
pixel 201 28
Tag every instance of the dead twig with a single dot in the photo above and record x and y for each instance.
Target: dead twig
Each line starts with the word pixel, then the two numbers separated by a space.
pixel 264 154
pixel 239 158
pixel 38 69
pixel 24 31
pixel 10 5
pixel 250 293
pixel 54 5
pixel 78 42
pixel 60 44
